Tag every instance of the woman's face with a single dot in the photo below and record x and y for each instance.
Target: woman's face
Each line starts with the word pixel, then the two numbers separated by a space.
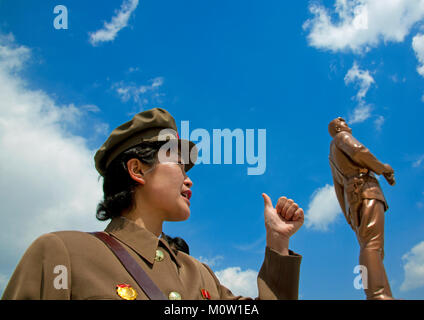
pixel 167 191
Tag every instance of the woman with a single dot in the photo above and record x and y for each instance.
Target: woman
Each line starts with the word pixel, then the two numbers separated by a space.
pixel 144 165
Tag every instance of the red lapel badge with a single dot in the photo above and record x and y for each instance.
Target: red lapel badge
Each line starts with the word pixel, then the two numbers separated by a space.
pixel 205 294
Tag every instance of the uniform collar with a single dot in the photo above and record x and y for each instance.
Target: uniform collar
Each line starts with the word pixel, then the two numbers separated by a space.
pixel 141 240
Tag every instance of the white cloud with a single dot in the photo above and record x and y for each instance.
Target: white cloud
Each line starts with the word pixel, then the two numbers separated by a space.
pixel 418 46
pixel 414 268
pixel 361 113
pixel 119 21
pixel 90 108
pixel 211 262
pixel 379 123
pixel 362 24
pixel 101 129
pixel 140 94
pixel 395 78
pixel 323 209
pixel 363 80
pixel 417 163
pixel 240 282
pixel 48 180
pixel 360 77
pixel 12 58
pixel 133 69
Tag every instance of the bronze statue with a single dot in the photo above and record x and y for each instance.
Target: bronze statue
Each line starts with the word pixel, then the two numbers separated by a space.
pixel 362 201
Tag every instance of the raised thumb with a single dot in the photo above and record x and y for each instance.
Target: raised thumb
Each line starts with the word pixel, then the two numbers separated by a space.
pixel 267 201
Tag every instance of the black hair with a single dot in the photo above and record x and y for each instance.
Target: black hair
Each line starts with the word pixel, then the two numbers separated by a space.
pixel 177 243
pixel 118 186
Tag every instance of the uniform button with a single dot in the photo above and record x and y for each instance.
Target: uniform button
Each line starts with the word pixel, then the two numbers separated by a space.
pixel 173 295
pixel 159 255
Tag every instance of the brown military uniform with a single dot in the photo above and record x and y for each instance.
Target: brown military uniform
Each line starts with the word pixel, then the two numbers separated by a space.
pixel 363 204
pixel 93 271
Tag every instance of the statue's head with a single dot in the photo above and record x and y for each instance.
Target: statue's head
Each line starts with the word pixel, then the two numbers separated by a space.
pixel 338 125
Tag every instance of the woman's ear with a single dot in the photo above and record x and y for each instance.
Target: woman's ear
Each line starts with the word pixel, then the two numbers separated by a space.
pixel 135 170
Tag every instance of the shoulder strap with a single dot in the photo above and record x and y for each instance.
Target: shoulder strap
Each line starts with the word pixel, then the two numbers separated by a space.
pixel 133 268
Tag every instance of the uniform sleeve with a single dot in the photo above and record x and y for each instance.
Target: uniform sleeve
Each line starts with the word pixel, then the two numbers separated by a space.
pixel 278 278
pixel 358 152
pixel 43 273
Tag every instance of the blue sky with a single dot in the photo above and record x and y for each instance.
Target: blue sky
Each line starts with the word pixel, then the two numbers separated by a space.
pixel 286 67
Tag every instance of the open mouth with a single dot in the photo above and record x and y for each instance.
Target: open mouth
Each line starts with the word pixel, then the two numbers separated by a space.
pixel 186 194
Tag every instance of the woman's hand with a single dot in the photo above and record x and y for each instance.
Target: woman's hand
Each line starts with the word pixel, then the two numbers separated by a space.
pixel 281 222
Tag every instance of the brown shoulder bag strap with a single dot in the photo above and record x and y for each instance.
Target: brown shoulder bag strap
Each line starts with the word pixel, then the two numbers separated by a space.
pixel 133 268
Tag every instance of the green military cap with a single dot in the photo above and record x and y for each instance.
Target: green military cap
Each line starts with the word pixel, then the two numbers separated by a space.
pixel 148 126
